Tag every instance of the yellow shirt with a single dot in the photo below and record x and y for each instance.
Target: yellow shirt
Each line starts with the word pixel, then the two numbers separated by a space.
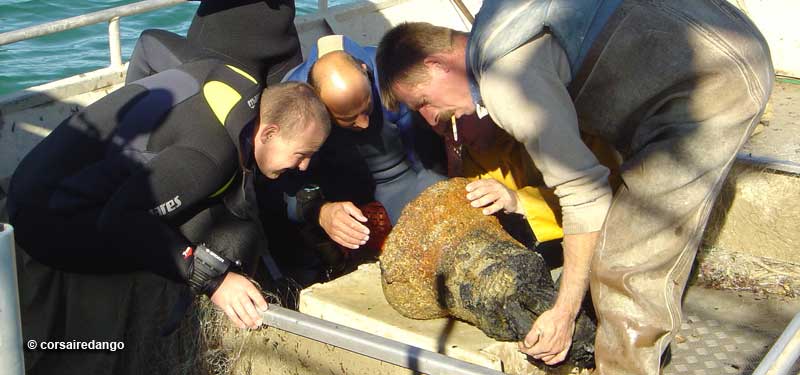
pixel 508 162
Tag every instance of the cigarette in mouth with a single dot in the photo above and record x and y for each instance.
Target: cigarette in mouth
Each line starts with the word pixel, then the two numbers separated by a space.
pixel 455 129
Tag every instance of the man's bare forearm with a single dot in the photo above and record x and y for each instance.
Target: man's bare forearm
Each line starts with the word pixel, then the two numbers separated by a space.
pixel 578 252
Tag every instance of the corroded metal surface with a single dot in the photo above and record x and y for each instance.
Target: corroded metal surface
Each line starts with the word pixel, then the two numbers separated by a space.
pixel 445 257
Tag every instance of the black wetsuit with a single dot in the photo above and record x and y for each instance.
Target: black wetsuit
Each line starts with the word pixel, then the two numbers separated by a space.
pixel 110 189
pixel 259 36
pixel 131 181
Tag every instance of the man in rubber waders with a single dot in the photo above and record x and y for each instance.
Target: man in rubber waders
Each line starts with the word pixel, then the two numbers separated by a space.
pixel 676 87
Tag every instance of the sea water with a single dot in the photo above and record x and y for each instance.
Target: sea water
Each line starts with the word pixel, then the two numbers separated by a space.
pixel 36 61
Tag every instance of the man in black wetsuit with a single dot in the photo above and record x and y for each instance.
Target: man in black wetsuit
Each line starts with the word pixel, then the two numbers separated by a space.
pixel 157 176
pixel 140 178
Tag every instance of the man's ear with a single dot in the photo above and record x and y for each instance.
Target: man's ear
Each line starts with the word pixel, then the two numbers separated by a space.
pixel 268 131
pixel 436 62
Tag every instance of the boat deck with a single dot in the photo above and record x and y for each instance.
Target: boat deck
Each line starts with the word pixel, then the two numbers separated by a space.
pixel 723 332
pixel 778 143
pixel 728 332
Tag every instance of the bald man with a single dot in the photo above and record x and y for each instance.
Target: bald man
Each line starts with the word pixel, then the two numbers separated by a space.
pixel 368 156
pixel 344 86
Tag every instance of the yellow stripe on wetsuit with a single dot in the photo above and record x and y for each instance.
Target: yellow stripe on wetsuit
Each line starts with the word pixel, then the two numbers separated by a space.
pixel 224 187
pixel 221 97
pixel 242 73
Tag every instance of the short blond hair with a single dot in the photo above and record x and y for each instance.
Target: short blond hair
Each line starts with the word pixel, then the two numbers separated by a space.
pixel 291 105
pixel 402 52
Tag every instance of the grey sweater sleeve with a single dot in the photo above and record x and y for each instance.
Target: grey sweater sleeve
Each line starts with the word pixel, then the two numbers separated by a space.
pixel 525 93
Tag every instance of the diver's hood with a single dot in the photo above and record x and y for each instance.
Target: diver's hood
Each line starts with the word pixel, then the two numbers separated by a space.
pixel 259 35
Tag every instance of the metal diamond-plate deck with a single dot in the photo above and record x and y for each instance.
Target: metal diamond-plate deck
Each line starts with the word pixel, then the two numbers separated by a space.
pixel 710 347
pixel 726 333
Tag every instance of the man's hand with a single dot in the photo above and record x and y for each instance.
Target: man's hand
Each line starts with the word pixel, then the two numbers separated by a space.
pixel 493 196
pixel 241 301
pixel 550 337
pixel 342 222
pixel 551 334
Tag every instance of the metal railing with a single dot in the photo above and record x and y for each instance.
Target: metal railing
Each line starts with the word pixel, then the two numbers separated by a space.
pixel 111 15
pixel 10 327
pixel 369 345
pixel 782 357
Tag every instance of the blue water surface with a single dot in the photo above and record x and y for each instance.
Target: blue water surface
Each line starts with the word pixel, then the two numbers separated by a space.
pixel 48 58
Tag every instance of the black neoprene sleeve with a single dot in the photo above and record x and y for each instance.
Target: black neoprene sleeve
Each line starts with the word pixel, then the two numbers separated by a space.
pixel 138 212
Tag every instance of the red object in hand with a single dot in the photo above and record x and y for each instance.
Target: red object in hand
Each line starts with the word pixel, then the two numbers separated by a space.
pixel 379 225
